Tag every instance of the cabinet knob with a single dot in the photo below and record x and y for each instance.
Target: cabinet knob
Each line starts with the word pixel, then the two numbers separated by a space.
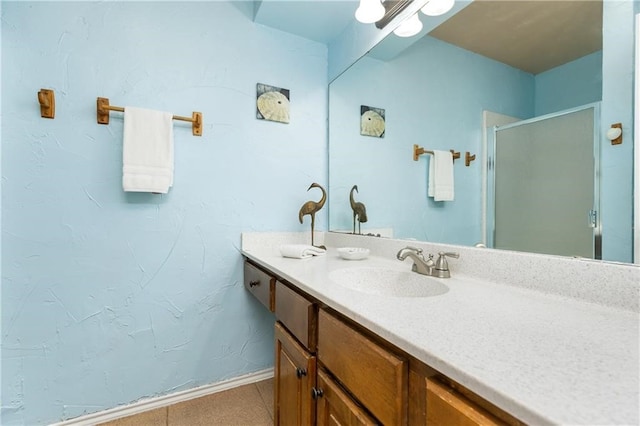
pixel 316 393
pixel 301 372
pixel 254 283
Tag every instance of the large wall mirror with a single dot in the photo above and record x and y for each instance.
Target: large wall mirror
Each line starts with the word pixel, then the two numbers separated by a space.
pixel 493 63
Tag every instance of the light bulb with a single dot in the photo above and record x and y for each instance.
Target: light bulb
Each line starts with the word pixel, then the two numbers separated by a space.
pixel 437 7
pixel 409 27
pixel 369 11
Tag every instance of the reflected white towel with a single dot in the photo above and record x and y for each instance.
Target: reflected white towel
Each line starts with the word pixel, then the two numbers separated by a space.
pixel 147 152
pixel 300 251
pixel 440 185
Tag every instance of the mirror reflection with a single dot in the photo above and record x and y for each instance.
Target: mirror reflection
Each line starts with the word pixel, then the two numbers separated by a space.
pixel 491 64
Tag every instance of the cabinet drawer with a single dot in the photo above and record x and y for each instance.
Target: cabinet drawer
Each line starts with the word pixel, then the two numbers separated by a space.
pixel 260 284
pixel 375 376
pixel 445 406
pixel 298 315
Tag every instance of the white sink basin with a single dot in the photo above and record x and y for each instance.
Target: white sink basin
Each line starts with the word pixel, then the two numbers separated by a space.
pixel 388 282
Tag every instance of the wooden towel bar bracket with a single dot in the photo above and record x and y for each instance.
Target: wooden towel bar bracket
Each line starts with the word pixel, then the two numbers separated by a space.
pixel 47 101
pixel 103 109
pixel 418 151
pixel 468 158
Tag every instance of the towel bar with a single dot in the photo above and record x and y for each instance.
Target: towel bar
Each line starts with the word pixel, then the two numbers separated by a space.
pixel 418 151
pixel 103 109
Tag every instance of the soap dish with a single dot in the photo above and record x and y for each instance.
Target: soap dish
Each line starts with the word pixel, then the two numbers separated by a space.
pixel 353 253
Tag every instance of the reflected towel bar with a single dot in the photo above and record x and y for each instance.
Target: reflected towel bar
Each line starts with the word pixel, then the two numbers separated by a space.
pixel 468 158
pixel 418 151
pixel 103 109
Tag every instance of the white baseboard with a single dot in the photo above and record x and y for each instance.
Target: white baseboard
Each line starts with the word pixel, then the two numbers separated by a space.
pixel 165 400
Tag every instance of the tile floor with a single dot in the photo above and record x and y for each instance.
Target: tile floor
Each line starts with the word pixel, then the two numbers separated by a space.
pixel 249 405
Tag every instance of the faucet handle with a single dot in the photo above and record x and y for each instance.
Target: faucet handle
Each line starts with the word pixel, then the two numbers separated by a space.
pixel 441 263
pixel 449 253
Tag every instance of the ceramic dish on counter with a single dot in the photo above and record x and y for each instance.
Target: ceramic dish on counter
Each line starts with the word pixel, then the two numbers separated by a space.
pixel 353 253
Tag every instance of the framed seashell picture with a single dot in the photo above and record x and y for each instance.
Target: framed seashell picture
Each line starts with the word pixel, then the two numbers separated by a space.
pixel 372 121
pixel 272 103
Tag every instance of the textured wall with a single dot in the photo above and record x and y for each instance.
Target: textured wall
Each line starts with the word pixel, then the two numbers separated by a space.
pixel 570 85
pixel 110 297
pixel 434 94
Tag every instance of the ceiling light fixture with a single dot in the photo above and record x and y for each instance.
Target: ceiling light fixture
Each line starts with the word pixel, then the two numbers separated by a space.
pixel 437 7
pixel 409 27
pixel 369 11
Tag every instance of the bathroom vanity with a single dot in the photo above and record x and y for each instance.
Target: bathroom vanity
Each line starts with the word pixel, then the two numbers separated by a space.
pixel 483 352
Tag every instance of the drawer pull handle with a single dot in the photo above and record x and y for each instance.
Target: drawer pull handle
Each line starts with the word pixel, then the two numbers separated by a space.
pixel 254 283
pixel 316 393
pixel 301 372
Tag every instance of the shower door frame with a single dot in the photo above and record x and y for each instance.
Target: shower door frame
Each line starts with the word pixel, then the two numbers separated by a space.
pixel 491 200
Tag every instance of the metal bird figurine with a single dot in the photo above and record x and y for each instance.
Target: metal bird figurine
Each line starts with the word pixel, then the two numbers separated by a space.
pixel 359 210
pixel 311 207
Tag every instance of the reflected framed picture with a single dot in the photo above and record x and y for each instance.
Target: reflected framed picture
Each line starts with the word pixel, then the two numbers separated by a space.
pixel 272 103
pixel 372 121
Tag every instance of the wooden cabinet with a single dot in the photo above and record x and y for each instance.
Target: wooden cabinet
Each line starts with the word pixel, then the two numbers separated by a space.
pixel 260 284
pixel 335 407
pixel 295 360
pixel 297 314
pixel 447 407
pixel 374 375
pixel 331 371
pixel 449 403
pixel 295 373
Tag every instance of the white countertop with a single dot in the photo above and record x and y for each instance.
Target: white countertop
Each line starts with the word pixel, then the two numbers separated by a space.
pixel 546 359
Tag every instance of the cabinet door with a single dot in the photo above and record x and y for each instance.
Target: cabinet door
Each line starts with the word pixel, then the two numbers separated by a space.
pixel 446 407
pixel 335 407
pixel 376 377
pixel 295 376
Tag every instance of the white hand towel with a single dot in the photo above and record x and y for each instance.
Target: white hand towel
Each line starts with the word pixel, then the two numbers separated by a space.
pixel 147 153
pixel 300 251
pixel 440 185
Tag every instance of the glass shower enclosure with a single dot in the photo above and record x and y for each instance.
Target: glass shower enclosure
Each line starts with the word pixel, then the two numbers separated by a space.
pixel 543 188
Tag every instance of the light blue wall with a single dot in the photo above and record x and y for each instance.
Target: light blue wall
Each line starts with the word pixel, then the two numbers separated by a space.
pixel 431 101
pixel 570 85
pixel 617 107
pixel 110 297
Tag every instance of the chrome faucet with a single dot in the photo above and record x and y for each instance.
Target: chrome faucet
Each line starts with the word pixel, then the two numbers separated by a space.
pixel 420 265
pixel 439 269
